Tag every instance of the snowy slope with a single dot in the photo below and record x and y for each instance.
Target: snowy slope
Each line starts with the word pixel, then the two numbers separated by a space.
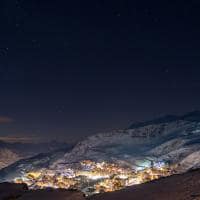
pixel 7 157
pixel 12 152
pixel 170 139
pixel 174 139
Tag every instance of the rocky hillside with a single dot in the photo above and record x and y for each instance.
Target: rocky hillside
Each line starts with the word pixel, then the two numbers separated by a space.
pixel 10 191
pixel 7 157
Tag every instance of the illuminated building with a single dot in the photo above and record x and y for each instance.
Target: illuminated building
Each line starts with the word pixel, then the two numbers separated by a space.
pixel 91 177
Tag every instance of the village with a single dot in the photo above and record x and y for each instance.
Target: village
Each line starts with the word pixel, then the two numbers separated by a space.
pixel 94 177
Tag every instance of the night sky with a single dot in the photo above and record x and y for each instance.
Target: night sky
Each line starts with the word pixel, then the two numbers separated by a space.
pixel 73 68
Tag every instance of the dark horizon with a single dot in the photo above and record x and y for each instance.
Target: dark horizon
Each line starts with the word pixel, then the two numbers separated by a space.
pixel 69 69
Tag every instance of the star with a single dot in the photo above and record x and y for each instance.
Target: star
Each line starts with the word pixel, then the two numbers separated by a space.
pixel 166 70
pixel 4 51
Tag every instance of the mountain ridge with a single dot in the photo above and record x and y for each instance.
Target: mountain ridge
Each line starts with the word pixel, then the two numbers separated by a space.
pixel 191 116
pixel 174 142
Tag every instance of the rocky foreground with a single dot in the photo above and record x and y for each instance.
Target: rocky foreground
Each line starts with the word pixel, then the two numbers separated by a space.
pixel 177 187
pixel 9 191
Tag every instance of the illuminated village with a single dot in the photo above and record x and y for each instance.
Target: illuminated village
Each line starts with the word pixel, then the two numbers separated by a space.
pixel 92 177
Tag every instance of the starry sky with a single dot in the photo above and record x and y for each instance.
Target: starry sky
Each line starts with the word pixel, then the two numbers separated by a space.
pixel 69 69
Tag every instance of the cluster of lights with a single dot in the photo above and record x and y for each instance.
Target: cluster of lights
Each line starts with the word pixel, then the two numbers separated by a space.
pixel 91 177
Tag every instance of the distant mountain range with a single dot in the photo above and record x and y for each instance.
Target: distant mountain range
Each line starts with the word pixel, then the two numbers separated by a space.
pixel 12 152
pixel 172 139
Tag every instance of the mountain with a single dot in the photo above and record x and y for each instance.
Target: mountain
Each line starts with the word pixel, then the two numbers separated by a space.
pixel 7 157
pixel 168 142
pixel 12 152
pixel 192 116
pixel 172 139
pixel 43 160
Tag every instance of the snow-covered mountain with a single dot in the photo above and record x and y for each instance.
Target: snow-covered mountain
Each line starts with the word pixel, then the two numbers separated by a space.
pixel 12 152
pixel 171 139
pixel 7 157
pixel 175 140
